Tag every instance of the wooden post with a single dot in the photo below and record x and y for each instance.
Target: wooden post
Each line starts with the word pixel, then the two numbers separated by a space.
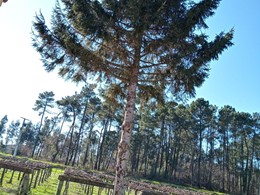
pixel 36 179
pixel 88 188
pixel 24 188
pixel 99 190
pixel 22 179
pixel 66 188
pixel 31 179
pixel 19 175
pixel 2 177
pixel 11 178
pixel 46 175
pixel 59 189
pixel 40 180
pixel 43 175
pixel 49 172
pixel 92 189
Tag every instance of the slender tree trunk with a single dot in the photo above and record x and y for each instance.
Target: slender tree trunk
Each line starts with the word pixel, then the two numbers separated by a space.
pixel 251 168
pixel 123 146
pixel 224 162
pixel 167 153
pixel 200 154
pixel 70 150
pixel 167 157
pixel 228 163
pixel 192 165
pixel 146 152
pixel 102 144
pixel 134 155
pixel 162 137
pixel 175 161
pixel 98 147
pixel 211 158
pixel 45 137
pixel 83 122
pixel 156 164
pixel 138 157
pixel 57 148
pixel 246 172
pixel 88 140
pixel 38 131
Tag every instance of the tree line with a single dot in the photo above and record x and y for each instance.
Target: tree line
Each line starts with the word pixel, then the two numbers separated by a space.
pixel 196 144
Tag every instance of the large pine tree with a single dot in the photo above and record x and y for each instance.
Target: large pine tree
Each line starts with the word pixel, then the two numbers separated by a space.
pixel 141 46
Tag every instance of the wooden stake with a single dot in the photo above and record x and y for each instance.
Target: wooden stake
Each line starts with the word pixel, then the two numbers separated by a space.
pixel 59 189
pixel 24 188
pixel 2 177
pixel 11 178
pixel 66 188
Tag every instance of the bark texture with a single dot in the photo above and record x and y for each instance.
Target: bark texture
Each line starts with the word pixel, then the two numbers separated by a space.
pixel 126 131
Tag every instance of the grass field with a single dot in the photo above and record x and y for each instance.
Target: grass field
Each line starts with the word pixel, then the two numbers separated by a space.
pixel 49 187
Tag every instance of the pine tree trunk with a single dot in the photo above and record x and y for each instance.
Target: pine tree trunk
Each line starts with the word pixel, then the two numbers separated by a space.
pixel 162 147
pixel 138 158
pixel 58 140
pixel 101 146
pixel 126 131
pixel 82 123
pixel 70 135
pixel 200 156
pixel 88 144
pixel 38 131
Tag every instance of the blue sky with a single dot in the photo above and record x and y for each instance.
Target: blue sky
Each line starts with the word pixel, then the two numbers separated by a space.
pixel 234 79
pixel 22 76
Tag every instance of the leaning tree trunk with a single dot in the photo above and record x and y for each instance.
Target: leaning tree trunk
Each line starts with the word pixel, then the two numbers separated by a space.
pixel 70 149
pixel 38 131
pixel 82 124
pixel 126 131
pixel 88 143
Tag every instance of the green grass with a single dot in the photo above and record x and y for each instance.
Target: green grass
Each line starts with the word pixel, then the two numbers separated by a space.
pixel 48 187
pixel 9 188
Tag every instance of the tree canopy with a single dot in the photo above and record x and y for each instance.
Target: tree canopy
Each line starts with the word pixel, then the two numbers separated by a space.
pixel 164 39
